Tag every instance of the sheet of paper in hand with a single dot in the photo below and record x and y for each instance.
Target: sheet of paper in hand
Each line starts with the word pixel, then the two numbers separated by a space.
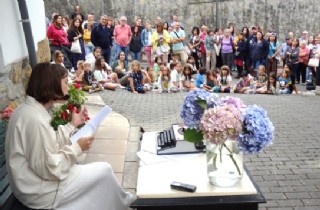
pixel 91 126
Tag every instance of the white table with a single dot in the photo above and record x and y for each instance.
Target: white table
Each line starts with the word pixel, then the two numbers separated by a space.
pixel 157 172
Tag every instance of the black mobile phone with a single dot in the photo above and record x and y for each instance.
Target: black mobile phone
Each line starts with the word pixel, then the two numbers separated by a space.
pixel 183 187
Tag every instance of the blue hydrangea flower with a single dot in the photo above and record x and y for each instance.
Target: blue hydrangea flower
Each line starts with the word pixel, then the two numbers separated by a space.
pixel 191 112
pixel 257 132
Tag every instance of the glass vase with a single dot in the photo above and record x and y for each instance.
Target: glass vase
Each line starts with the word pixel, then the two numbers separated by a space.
pixel 224 163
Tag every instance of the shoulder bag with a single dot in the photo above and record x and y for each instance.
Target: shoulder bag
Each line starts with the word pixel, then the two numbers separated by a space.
pixel 75 46
pixel 313 62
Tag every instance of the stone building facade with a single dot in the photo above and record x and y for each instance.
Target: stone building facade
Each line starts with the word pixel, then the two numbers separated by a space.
pixel 281 15
pixel 14 60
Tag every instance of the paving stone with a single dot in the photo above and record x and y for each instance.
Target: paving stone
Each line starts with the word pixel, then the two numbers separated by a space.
pixel 132 149
pixel 130 175
pixel 297 195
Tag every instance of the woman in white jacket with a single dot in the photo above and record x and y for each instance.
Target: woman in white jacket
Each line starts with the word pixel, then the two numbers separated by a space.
pixel 41 162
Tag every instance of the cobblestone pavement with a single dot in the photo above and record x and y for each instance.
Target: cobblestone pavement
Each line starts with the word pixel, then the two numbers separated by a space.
pixel 288 172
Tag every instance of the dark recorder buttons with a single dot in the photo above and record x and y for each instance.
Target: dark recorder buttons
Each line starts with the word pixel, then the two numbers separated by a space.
pixel 183 187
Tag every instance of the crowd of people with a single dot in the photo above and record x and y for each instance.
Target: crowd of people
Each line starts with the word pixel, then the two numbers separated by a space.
pixel 205 58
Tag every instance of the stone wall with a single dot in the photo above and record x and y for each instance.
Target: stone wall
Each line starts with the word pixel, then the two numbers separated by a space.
pixel 283 16
pixel 14 80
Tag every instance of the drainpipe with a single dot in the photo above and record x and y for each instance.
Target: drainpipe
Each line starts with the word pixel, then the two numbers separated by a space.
pixel 27 32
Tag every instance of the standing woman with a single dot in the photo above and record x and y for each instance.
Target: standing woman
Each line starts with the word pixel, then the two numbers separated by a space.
pixel 227 45
pixel 75 32
pixel 292 61
pixel 87 38
pixel 166 26
pixel 113 48
pixel 42 163
pixel 303 62
pixel 135 44
pixel 219 33
pixel 246 34
pixel 312 47
pixel 160 42
pixel 65 23
pixel 274 50
pixel 56 34
pixel 203 35
pixel 260 52
pixel 146 39
pixel 194 45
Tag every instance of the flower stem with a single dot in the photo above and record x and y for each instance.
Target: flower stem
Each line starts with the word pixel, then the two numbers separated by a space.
pixel 232 158
pixel 214 161
pixel 220 150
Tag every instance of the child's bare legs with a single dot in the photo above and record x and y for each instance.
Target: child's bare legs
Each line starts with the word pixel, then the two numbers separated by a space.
pixel 114 77
pixel 151 76
pixel 110 86
pixel 87 88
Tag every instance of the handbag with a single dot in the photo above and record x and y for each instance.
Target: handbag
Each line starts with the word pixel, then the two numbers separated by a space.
pixel 186 48
pixel 164 49
pixel 217 49
pixel 75 47
pixel 313 62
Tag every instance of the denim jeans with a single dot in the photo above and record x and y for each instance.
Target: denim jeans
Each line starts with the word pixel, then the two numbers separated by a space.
pixel 120 49
pixel 88 48
pixel 112 54
pixel 309 74
pixel 106 54
pixel 135 56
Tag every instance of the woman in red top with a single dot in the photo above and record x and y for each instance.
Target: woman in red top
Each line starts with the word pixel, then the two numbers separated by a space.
pixel 56 33
pixel 303 62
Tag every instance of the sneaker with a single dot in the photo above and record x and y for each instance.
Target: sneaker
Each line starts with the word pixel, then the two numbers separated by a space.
pixel 121 87
pixel 91 91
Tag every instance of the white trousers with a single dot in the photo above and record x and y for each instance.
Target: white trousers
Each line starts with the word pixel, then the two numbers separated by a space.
pixel 96 188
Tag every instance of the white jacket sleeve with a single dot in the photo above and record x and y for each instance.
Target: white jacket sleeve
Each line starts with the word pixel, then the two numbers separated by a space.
pixel 45 157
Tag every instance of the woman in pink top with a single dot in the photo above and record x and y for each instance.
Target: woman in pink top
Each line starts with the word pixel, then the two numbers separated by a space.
pixel 303 62
pixel 203 35
pixel 56 34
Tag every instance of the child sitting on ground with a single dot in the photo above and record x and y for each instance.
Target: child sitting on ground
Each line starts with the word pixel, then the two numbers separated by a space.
pixel 174 60
pixel 262 77
pixel 104 75
pixel 271 87
pixel 284 81
pixel 175 76
pixel 164 81
pixel 149 71
pixel 212 83
pixel 225 79
pixel 156 67
pixel 191 63
pixel 245 84
pixel 200 77
pixel 77 78
pixel 186 79
pixel 136 84
pixel 89 83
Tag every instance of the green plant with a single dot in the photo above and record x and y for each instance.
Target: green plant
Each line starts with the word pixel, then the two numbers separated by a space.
pixel 63 114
